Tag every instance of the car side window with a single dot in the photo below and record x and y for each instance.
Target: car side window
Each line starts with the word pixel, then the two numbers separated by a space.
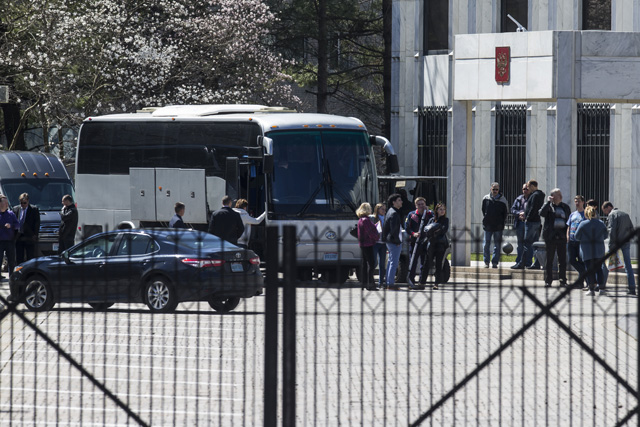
pixel 135 245
pixel 95 248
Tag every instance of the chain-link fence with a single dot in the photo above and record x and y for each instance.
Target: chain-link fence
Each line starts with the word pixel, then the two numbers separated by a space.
pixel 488 347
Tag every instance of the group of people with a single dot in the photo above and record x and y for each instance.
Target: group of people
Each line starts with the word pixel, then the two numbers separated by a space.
pixel 228 223
pixel 381 231
pixel 580 234
pixel 20 228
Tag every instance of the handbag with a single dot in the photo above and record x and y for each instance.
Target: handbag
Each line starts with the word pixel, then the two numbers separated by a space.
pixel 614 262
pixel 354 231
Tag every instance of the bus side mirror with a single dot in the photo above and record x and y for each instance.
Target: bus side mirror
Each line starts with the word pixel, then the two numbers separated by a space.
pixel 392 164
pixel 267 164
pixel 231 176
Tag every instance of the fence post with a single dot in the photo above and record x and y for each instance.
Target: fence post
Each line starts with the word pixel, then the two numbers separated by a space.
pixel 271 330
pixel 289 327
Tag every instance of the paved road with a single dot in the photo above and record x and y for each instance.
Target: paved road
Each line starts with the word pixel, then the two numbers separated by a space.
pixel 369 358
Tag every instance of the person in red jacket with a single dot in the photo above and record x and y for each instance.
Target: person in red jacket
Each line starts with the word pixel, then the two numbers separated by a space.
pixel 367 238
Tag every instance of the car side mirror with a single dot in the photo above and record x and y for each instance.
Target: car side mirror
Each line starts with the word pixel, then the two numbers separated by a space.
pixel 65 257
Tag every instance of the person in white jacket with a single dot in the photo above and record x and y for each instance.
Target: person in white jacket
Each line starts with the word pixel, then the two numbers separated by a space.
pixel 247 220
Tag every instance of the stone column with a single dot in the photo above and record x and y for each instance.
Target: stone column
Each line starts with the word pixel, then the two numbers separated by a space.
pixel 459 210
pixel 566 148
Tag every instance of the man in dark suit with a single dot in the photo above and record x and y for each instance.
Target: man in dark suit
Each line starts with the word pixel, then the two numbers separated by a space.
pixel 226 223
pixel 27 236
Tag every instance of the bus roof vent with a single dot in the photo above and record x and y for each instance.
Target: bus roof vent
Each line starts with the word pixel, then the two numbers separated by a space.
pixel 206 110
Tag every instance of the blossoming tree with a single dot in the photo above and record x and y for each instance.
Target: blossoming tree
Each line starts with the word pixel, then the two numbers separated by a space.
pixel 66 59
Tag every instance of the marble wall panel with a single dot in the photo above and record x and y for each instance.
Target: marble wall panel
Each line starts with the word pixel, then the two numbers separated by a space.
pixel 466 46
pixel 436 80
pixel 540 43
pixel 610 79
pixel 466 80
pixel 610 44
pixel 540 84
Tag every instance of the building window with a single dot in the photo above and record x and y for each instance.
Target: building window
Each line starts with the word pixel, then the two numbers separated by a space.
pixel 593 151
pixel 436 27
pixel 511 150
pixel 432 153
pixel 519 10
pixel 596 15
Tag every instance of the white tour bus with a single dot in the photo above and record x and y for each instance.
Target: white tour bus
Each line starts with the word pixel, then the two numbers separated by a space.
pixel 309 170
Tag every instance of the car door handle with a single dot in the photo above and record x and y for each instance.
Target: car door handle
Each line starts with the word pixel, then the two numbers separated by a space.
pixel 100 265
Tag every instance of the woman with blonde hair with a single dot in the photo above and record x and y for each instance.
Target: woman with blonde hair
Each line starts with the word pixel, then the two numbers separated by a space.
pixel 591 234
pixel 367 237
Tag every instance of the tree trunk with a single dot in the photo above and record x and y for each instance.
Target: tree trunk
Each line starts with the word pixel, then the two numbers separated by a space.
pixel 13 132
pixel 386 65
pixel 323 58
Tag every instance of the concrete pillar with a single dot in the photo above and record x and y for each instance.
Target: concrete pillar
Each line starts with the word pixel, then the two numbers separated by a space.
pixel 566 148
pixel 460 182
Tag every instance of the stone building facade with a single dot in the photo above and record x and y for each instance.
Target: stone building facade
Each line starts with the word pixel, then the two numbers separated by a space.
pixel 566 113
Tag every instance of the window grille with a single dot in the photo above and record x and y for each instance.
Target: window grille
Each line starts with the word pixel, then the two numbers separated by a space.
pixel 511 151
pixel 432 152
pixel 592 164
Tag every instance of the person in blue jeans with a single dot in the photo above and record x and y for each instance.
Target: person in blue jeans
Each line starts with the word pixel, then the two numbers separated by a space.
pixel 532 224
pixel 591 234
pixel 494 210
pixel 518 211
pixel 573 246
pixel 619 227
pixel 391 235
pixel 380 248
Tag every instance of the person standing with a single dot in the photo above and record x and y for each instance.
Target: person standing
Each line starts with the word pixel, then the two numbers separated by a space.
pixel 556 214
pixel 619 227
pixel 226 223
pixel 367 238
pixel 176 220
pixel 68 223
pixel 518 211
pixel 391 235
pixel 9 225
pixel 29 217
pixel 380 248
pixel 591 234
pixel 573 246
pixel 247 221
pixel 494 216
pixel 437 243
pixel 412 222
pixel 531 224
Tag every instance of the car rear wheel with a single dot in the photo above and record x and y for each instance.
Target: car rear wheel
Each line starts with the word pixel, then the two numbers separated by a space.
pixel 99 306
pixel 224 305
pixel 39 294
pixel 160 296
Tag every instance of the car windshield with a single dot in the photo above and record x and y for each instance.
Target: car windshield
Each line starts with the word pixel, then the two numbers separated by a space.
pixel 46 194
pixel 326 173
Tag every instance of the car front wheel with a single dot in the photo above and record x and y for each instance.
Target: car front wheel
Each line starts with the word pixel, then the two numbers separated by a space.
pixel 160 296
pixel 224 305
pixel 39 295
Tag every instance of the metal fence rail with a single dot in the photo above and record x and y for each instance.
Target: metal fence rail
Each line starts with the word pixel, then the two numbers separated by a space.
pixel 489 347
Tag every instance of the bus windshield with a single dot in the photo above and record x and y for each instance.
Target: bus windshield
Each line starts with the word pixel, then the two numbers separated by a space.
pixel 321 173
pixel 46 195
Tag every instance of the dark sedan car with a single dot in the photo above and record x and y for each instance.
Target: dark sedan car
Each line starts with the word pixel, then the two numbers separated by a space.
pixel 159 267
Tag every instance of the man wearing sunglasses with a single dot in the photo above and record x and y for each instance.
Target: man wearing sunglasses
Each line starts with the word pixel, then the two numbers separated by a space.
pixel 29 217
